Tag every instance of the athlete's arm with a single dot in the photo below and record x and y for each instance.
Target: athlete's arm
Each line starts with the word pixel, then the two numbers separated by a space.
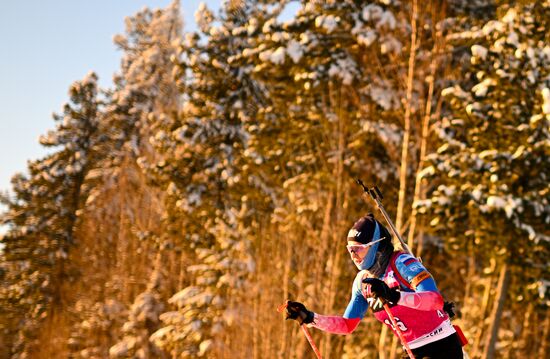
pixel 347 323
pixel 421 300
pixel 425 296
pixel 335 324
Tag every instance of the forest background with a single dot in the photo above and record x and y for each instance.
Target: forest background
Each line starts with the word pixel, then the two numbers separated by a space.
pixel 216 178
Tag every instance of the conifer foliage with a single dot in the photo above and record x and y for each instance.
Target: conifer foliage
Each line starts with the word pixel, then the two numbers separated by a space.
pixel 490 172
pixel 215 179
pixel 201 150
pixel 42 216
pixel 493 140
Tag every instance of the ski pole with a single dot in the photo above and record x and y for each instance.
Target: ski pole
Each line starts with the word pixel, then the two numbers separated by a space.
pixel 377 197
pixel 398 331
pixel 311 342
pixel 306 333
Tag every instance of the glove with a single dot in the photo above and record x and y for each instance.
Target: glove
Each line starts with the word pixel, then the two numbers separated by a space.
pixel 298 312
pixel 375 288
pixel 449 307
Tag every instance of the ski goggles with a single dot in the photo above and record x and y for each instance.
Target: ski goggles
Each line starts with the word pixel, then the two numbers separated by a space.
pixel 355 248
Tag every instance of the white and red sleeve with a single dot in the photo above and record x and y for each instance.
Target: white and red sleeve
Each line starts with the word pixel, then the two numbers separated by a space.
pixel 334 324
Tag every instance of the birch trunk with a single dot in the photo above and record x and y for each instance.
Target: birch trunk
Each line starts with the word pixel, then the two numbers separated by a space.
pixel 524 333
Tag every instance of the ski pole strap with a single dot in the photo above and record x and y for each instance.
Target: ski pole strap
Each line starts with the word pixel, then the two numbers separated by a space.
pixel 398 331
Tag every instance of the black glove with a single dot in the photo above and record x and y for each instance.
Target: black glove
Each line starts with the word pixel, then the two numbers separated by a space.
pixel 378 289
pixel 298 312
pixel 449 307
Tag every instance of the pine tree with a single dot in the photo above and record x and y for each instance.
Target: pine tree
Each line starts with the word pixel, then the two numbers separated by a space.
pixel 218 175
pixel 200 150
pixel 42 216
pixel 122 200
pixel 145 87
pixel 143 319
pixel 490 172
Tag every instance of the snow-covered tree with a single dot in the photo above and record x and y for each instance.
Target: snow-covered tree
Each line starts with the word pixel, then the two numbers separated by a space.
pixel 218 180
pixel 490 173
pixel 42 215
pixel 121 199
pixel 146 85
pixel 142 322
pixel 330 118
pixel 200 151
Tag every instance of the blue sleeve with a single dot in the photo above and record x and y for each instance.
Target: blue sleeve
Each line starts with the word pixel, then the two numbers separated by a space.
pixel 409 268
pixel 358 305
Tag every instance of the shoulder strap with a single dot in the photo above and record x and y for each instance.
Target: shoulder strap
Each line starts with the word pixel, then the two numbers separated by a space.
pixel 396 272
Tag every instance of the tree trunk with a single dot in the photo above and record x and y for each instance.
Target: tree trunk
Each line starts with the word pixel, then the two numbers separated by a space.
pixel 407 122
pixel 424 141
pixel 543 349
pixel 496 315
pixel 286 283
pixel 484 306
pixel 468 291
pixel 256 329
pixel 382 342
pixel 340 193
pixel 393 350
pixel 524 329
pixel 419 244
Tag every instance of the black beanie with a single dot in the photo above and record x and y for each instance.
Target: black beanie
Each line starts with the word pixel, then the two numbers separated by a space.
pixel 363 230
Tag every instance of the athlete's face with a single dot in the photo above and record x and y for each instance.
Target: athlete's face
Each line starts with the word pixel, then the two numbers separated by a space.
pixel 357 251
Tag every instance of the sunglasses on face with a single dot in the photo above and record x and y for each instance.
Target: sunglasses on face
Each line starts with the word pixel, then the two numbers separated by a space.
pixel 356 248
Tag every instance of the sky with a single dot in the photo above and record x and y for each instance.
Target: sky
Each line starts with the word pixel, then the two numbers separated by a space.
pixel 46 46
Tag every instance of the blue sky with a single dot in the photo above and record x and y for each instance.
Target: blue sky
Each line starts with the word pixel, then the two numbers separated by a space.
pixel 47 45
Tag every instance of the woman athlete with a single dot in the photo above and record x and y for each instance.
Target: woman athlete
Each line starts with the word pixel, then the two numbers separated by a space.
pixel 395 278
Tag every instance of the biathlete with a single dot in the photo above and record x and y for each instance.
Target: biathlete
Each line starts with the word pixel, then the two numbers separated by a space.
pixel 396 278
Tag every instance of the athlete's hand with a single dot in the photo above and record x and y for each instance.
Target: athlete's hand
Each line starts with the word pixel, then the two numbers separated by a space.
pixel 375 288
pixel 298 312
